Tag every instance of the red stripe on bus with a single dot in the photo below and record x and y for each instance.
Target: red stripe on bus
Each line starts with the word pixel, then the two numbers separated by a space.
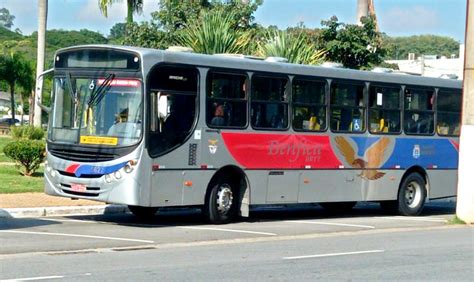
pixel 261 150
pixel 72 168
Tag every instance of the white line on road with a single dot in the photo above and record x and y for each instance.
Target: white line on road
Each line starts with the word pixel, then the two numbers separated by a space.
pixel 414 218
pixel 43 278
pixel 76 235
pixel 336 254
pixel 330 223
pixel 33 278
pixel 227 230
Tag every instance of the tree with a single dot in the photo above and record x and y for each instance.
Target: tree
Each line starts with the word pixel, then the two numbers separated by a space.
pixel 295 47
pixel 117 31
pixel 6 19
pixel 213 33
pixel 399 47
pixel 177 14
pixel 133 7
pixel 15 71
pixel 174 16
pixel 357 47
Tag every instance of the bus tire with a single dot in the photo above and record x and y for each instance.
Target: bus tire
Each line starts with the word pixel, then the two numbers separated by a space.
pixel 221 202
pixel 338 207
pixel 411 195
pixel 143 212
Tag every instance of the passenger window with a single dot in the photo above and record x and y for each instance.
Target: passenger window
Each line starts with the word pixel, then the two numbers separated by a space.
pixel 449 113
pixel 226 100
pixel 419 114
pixel 309 105
pixel 384 109
pixel 269 102
pixel 347 107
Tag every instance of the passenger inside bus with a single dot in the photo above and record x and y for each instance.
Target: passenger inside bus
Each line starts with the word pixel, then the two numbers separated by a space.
pixel 218 119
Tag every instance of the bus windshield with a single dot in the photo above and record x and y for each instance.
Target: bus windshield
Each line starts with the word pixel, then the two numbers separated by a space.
pixel 102 110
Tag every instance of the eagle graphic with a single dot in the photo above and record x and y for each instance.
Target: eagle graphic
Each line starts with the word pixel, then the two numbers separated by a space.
pixel 374 155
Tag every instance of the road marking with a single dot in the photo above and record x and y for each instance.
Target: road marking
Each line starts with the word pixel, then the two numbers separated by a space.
pixel 414 218
pixel 33 278
pixel 43 277
pixel 335 254
pixel 227 230
pixel 76 235
pixel 330 223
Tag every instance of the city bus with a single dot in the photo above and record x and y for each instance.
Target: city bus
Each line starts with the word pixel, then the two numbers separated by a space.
pixel 162 128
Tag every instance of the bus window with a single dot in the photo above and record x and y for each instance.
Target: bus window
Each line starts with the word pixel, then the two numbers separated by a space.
pixel 226 100
pixel 180 86
pixel 384 109
pixel 309 105
pixel 269 102
pixel 448 113
pixel 419 114
pixel 347 107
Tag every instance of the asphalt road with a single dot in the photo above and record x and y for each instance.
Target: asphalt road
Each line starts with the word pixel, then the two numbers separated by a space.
pixel 274 244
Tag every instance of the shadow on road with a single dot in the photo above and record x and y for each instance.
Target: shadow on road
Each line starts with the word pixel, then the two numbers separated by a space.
pixel 192 216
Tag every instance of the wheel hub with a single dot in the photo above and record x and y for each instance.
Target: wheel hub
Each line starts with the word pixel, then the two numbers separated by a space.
pixel 224 199
pixel 413 194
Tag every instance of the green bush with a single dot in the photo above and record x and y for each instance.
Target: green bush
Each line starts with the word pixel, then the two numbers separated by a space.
pixel 28 154
pixel 27 132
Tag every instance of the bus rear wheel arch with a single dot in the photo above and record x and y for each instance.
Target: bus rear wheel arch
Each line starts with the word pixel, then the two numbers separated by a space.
pixel 223 197
pixel 411 196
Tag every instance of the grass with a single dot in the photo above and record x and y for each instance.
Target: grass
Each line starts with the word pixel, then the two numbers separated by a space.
pixel 13 182
pixel 4 140
pixel 456 220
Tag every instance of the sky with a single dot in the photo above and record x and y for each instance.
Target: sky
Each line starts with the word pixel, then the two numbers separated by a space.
pixel 395 17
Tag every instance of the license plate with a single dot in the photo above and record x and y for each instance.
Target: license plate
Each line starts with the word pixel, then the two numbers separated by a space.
pixel 78 187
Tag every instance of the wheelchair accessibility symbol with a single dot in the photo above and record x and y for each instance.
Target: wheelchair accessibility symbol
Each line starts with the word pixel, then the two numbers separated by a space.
pixel 356 124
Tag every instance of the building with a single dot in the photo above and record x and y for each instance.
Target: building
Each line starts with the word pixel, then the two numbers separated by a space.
pixel 432 65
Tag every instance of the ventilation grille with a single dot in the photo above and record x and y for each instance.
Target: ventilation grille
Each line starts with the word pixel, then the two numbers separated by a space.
pixel 82 156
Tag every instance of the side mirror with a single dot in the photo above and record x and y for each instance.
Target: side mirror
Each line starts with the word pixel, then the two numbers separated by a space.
pixel 39 83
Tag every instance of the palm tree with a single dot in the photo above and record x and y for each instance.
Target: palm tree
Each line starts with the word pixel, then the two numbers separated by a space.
pixel 15 71
pixel 214 33
pixel 133 6
pixel 295 47
pixel 42 20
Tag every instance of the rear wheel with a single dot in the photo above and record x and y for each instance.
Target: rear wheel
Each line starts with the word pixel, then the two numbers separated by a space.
pixel 412 195
pixel 143 212
pixel 222 202
pixel 338 207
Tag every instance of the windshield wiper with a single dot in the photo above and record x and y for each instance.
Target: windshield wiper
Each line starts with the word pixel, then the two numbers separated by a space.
pixel 98 93
pixel 71 87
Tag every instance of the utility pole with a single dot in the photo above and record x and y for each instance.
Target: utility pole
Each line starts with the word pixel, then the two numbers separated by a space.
pixel 465 195
pixel 42 19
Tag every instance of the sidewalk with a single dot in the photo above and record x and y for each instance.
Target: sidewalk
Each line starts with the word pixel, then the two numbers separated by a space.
pixel 40 204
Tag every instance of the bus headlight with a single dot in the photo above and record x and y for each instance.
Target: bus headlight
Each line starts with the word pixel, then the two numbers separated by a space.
pixel 108 178
pixel 117 174
pixel 128 168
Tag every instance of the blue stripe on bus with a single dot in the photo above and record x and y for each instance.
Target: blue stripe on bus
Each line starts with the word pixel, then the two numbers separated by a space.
pixel 408 152
pixel 427 153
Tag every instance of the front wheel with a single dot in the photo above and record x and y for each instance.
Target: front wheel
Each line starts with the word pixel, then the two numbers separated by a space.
pixel 143 212
pixel 412 195
pixel 221 202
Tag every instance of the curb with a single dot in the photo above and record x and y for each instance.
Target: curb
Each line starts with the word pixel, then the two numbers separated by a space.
pixel 61 211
